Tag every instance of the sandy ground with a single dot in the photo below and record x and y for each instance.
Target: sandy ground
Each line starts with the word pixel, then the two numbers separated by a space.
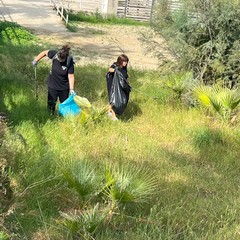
pixel 101 44
pixel 91 43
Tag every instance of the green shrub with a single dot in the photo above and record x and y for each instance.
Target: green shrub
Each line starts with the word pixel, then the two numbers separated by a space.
pixel 14 33
pixel 205 137
pixel 205 38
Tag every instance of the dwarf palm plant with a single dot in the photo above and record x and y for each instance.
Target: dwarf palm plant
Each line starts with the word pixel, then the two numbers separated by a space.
pixel 221 100
pixel 86 222
pixel 82 176
pixel 179 83
pixel 115 187
pixel 128 184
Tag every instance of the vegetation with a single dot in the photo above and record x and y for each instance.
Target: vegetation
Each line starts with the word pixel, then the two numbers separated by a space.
pixel 99 18
pixel 204 36
pixel 164 171
pixel 222 100
pixel 15 34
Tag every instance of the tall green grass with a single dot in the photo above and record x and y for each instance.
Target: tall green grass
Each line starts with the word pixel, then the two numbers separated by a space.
pixel 193 159
pixel 97 17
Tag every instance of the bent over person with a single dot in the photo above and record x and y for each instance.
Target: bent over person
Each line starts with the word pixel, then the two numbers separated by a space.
pixel 61 77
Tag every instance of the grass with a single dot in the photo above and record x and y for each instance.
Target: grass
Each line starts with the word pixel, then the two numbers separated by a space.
pixel 97 17
pixel 193 159
pixel 15 34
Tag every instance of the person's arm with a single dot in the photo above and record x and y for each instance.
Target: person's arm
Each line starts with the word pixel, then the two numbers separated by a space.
pixel 39 57
pixel 111 70
pixel 71 80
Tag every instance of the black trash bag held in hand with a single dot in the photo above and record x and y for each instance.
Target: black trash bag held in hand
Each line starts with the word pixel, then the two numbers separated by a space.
pixel 119 93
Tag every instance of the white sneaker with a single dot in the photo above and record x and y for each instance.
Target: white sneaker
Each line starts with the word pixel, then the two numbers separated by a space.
pixel 111 116
pixel 115 119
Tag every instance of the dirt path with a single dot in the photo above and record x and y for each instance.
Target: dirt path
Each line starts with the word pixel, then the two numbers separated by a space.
pixel 91 43
pixel 101 44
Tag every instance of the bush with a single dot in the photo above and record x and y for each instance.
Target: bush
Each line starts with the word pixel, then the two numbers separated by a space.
pixel 205 37
pixel 14 33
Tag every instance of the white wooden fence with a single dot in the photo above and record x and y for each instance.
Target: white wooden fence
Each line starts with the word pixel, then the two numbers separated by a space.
pixel 62 9
pixel 135 9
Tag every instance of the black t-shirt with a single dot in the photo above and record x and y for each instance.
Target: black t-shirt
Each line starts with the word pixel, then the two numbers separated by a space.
pixel 58 78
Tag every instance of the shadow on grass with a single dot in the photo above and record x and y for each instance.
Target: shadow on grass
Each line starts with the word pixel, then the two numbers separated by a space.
pixel 19 102
pixel 131 111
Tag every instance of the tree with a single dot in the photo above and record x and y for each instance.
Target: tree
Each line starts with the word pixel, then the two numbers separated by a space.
pixel 205 36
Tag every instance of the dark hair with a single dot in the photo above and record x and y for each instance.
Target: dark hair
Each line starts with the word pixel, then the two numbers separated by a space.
pixel 122 58
pixel 63 53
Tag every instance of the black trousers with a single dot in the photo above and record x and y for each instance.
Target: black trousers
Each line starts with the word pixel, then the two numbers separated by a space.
pixel 53 96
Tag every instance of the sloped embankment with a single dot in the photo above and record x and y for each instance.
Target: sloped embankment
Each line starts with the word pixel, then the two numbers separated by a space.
pixel 5 189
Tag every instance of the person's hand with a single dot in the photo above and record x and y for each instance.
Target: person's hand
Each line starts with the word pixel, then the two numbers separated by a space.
pixel 34 63
pixel 72 92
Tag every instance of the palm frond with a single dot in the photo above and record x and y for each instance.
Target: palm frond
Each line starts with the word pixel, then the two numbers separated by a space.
pixel 203 94
pixel 129 184
pixel 85 222
pixel 180 82
pixel 230 99
pixel 83 177
pixel 221 100
pixel 215 103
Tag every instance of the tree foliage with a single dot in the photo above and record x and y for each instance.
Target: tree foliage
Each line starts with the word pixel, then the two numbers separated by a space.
pixel 205 36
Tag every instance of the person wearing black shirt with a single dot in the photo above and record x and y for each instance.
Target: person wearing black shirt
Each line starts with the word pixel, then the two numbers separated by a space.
pixel 121 63
pixel 61 77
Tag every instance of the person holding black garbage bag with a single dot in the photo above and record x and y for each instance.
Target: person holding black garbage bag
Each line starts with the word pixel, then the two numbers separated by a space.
pixel 118 87
pixel 61 77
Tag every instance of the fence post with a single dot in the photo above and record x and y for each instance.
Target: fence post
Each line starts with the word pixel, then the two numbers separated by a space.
pixel 80 4
pixel 67 19
pixel 125 8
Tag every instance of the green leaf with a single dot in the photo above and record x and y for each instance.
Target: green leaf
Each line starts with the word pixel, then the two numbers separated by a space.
pixel 202 94
pixel 83 177
pixel 129 184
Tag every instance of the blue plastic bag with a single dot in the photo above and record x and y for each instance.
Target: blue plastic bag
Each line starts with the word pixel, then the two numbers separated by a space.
pixel 69 107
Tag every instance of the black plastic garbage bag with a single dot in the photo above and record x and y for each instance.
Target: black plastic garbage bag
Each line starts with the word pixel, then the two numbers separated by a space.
pixel 119 94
